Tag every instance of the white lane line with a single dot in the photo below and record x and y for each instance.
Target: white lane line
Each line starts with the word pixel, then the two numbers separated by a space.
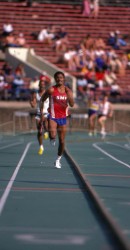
pixel 109 155
pixel 115 144
pixel 11 145
pixel 9 186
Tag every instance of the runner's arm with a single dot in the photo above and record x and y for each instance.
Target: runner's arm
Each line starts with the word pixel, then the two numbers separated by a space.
pixel 69 96
pixel 33 100
pixel 110 110
pixel 46 95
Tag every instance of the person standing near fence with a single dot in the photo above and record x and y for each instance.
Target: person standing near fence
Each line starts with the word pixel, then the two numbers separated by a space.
pixel 60 97
pixel 105 112
pixel 93 107
pixel 41 122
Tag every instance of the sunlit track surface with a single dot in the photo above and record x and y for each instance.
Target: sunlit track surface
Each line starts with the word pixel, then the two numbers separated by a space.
pixel 47 208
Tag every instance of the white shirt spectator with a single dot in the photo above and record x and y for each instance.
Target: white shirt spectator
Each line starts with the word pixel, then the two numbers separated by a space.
pixel 8 28
pixel 2 82
pixel 45 34
pixel 18 81
pixel 69 54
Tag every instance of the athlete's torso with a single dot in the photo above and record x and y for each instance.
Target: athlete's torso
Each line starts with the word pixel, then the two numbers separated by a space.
pixel 58 104
pixel 46 104
pixel 94 105
pixel 104 108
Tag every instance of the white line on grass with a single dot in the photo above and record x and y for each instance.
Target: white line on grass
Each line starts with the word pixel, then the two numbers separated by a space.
pixel 9 186
pixel 109 155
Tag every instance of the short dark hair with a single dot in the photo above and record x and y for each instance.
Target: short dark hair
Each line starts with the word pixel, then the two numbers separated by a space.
pixel 57 73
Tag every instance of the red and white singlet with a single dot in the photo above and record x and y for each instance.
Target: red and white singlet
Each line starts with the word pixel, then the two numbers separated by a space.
pixel 58 104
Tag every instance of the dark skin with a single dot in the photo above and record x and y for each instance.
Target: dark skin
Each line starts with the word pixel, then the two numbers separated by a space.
pixel 53 127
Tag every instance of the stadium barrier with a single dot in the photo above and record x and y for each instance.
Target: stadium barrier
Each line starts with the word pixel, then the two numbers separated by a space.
pixel 23 122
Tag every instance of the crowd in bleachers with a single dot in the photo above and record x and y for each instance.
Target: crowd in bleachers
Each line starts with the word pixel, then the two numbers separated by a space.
pixel 9 38
pixel 15 85
pixel 97 63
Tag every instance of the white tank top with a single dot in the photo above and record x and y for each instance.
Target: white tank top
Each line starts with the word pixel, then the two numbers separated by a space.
pixel 46 104
pixel 104 109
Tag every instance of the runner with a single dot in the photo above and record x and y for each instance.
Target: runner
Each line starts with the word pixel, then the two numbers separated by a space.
pixel 41 123
pixel 105 111
pixel 60 96
pixel 93 106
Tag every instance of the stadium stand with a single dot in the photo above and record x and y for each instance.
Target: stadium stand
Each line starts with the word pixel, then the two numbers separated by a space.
pixel 114 15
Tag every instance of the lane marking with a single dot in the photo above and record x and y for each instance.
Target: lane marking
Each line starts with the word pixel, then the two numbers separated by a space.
pixel 11 145
pixel 11 181
pixel 115 144
pixel 109 155
pixel 51 239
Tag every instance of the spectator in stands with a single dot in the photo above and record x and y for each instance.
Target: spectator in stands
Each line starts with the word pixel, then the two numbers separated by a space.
pixel 3 85
pixel 47 34
pixel 17 87
pixel 34 84
pixel 99 75
pixel 21 41
pixel 10 40
pixel 115 90
pixel 69 58
pixel 112 41
pixel 120 40
pixel 124 63
pixel 116 65
pixel 86 8
pixel 99 43
pixel 115 40
pixel 87 43
pixel 82 86
pixel 9 78
pixel 100 60
pixel 20 71
pixel 61 40
pixel 94 8
pixel 7 29
pixel 6 68
pixel 110 53
pixel 109 77
pixel 89 74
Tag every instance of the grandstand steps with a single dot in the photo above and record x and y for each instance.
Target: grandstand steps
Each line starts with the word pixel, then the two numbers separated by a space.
pixel 33 19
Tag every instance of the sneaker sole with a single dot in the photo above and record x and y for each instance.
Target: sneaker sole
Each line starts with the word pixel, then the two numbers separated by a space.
pixel 57 167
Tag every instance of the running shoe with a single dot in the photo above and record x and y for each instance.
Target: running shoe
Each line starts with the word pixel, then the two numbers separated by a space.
pixel 40 151
pixel 57 164
pixel 46 135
